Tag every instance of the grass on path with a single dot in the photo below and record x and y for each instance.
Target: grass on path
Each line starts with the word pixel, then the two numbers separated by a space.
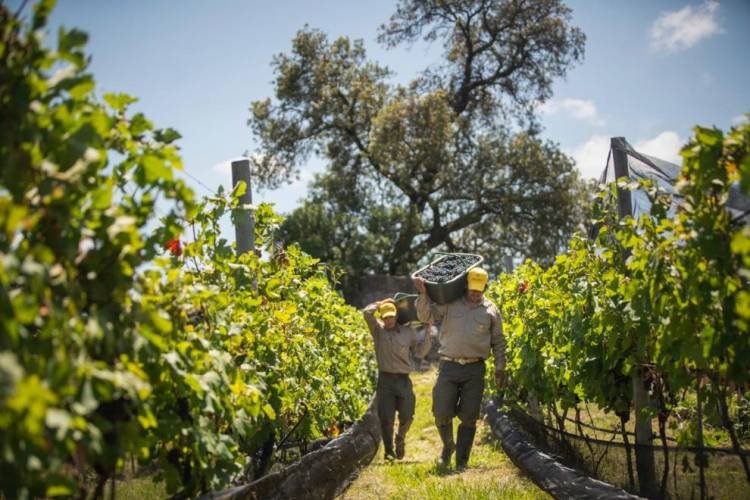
pixel 141 488
pixel 491 474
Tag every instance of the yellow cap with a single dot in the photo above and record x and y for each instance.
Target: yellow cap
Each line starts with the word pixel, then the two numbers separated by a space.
pixel 477 279
pixel 387 310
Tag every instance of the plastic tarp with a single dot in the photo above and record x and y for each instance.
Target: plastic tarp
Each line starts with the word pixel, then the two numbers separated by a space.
pixel 553 477
pixel 665 175
pixel 322 474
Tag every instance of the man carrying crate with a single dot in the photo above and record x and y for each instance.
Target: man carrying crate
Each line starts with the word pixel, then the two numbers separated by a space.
pixel 471 328
pixel 393 344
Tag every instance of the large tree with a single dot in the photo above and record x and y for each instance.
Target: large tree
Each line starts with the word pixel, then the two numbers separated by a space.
pixel 450 162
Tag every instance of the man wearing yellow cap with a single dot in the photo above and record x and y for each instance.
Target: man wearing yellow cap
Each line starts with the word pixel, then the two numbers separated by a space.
pixel 471 328
pixel 393 343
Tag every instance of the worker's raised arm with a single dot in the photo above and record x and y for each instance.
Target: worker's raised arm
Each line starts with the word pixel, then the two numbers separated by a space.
pixel 372 322
pixel 427 312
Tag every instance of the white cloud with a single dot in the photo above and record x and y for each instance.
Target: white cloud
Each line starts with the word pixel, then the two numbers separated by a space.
pixel 591 156
pixel 682 29
pixel 665 146
pixel 740 119
pixel 580 109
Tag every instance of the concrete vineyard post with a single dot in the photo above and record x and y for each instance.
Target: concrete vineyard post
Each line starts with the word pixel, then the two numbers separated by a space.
pixel 245 226
pixel 644 454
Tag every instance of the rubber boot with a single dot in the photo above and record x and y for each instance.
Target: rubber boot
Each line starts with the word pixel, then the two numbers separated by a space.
pixel 387 431
pixel 403 428
pixel 464 441
pixel 446 435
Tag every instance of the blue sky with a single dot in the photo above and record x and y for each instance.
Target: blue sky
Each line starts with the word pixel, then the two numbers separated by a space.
pixel 652 70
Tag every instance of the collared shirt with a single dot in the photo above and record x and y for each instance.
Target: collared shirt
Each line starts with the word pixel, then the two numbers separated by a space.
pixel 468 330
pixel 392 347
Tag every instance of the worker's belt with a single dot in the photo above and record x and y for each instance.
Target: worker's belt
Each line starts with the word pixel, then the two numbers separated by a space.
pixel 461 361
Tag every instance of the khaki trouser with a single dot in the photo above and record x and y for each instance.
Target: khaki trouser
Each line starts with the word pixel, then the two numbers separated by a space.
pixel 395 394
pixel 458 393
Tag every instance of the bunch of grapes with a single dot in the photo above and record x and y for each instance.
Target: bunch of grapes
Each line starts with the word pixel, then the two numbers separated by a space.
pixel 447 268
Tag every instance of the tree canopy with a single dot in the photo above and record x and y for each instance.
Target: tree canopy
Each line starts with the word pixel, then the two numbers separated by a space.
pixel 451 161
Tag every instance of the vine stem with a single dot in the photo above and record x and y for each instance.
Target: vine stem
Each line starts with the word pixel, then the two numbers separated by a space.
pixel 631 476
pixel 729 426
pixel 699 439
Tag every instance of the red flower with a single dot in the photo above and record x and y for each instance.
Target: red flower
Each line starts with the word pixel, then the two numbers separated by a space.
pixel 522 287
pixel 174 246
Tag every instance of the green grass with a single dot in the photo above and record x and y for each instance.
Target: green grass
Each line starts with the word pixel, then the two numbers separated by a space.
pixel 725 477
pixel 139 488
pixel 713 434
pixel 490 474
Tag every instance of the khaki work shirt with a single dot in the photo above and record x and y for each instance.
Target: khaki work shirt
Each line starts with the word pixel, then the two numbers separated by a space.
pixel 392 347
pixel 468 330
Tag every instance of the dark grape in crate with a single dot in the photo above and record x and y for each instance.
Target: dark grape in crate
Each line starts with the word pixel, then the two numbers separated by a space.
pixel 445 277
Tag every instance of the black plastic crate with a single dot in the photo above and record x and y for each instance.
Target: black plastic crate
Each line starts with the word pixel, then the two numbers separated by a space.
pixel 443 293
pixel 405 307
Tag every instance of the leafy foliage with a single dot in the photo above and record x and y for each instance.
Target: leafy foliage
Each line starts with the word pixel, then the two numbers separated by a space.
pixel 256 349
pixel 501 56
pixel 665 295
pixel 112 345
pixel 435 164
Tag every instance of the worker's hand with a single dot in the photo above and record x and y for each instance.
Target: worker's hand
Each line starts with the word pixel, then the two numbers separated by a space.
pixel 419 285
pixel 500 379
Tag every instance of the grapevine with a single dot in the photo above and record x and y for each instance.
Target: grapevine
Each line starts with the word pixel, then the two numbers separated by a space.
pixel 664 296
pixel 128 327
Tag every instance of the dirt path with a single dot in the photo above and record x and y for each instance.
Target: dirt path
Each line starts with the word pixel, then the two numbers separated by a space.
pixel 491 474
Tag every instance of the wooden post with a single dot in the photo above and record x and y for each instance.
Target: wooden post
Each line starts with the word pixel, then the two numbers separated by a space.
pixel 620 159
pixel 534 411
pixel 700 456
pixel 644 434
pixel 245 225
pixel 508 262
